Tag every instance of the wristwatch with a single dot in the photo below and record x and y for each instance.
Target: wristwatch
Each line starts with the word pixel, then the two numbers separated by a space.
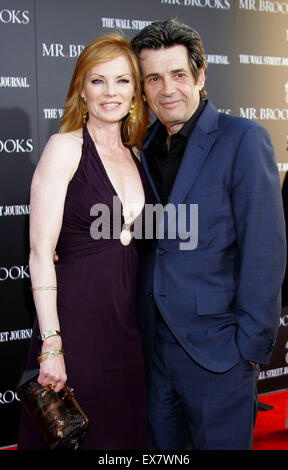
pixel 48 333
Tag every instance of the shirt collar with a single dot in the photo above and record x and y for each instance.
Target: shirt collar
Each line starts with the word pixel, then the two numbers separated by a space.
pixel 186 129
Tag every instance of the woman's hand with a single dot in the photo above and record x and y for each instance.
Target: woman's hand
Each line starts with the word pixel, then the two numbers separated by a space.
pixel 52 370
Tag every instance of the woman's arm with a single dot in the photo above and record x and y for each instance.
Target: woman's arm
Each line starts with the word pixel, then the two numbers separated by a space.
pixel 48 191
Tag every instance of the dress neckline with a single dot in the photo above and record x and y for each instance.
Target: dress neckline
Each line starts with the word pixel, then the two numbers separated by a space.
pixel 136 162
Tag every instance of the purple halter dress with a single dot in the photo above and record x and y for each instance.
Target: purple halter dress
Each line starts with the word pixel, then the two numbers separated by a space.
pixel 96 300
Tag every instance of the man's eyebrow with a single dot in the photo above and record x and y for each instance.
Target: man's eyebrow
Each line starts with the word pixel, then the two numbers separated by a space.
pixel 157 74
pixel 152 74
pixel 179 70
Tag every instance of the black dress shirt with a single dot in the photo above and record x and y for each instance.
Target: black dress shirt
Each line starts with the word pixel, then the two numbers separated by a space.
pixel 164 162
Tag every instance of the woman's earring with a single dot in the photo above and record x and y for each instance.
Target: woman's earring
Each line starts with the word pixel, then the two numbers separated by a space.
pixel 84 110
pixel 132 112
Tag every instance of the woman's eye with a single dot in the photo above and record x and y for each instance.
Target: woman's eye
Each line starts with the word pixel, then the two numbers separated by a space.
pixel 97 81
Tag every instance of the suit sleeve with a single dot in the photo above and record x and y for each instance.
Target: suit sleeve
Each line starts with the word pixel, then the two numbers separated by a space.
pixel 285 207
pixel 260 227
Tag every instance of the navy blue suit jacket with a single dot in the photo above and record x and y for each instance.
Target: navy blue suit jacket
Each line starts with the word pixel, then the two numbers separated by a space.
pixel 222 298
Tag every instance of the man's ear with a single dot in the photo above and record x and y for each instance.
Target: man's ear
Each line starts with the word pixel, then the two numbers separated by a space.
pixel 144 97
pixel 201 77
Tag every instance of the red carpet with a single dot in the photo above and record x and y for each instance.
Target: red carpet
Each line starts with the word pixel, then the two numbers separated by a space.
pixel 270 432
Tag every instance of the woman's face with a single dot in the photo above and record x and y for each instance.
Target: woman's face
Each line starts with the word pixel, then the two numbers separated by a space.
pixel 109 89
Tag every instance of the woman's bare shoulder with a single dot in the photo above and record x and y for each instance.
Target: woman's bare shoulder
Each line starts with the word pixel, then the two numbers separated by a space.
pixel 62 152
pixel 66 145
pixel 67 139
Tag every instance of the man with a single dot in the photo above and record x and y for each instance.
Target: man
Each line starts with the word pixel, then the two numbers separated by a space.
pixel 209 314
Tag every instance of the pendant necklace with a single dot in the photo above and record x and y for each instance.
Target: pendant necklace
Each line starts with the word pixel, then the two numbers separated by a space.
pixel 125 235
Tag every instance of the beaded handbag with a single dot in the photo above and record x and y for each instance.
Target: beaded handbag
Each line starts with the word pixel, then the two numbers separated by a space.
pixel 57 416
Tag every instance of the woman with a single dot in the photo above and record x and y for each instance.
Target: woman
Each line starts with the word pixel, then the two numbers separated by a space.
pixel 88 300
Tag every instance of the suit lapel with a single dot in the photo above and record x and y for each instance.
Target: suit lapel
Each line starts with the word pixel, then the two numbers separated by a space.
pixel 147 141
pixel 194 157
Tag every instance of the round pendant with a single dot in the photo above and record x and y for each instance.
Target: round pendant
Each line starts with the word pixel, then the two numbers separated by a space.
pixel 125 237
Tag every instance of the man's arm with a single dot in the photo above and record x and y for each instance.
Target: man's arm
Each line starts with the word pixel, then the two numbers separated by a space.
pixel 260 226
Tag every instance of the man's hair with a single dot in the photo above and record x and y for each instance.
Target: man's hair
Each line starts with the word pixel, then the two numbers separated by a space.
pixel 170 33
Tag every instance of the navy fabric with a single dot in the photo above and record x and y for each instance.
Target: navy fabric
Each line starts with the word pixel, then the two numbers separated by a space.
pixel 220 299
pixel 192 407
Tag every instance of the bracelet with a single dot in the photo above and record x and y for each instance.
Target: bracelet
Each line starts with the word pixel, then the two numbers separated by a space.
pixel 44 288
pixel 48 333
pixel 48 354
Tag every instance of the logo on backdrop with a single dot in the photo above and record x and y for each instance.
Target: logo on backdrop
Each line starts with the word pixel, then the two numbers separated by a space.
pixel 218 4
pixel 8 397
pixel 17 209
pixel 15 335
pixel 16 146
pixel 61 50
pixel 273 373
pixel 53 113
pixel 264 6
pixel 14 82
pixel 124 23
pixel 14 273
pixel 279 371
pixel 284 320
pixel 225 110
pixel 217 59
pixel 14 16
pixel 265 114
pixel 263 60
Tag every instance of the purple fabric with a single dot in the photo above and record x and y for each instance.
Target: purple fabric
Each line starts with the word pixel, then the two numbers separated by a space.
pixel 96 306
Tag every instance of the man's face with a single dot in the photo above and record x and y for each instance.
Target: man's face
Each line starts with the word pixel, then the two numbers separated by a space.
pixel 169 86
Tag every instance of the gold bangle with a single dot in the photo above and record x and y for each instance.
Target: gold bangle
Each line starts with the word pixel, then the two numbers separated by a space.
pixel 44 288
pixel 49 333
pixel 48 354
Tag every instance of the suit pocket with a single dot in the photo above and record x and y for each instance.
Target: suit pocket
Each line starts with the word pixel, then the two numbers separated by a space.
pixel 216 303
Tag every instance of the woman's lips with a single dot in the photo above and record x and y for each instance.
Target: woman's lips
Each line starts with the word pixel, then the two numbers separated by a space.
pixel 111 105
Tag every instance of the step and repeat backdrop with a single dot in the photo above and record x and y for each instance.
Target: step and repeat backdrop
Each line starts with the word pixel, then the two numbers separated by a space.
pixel 246 43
